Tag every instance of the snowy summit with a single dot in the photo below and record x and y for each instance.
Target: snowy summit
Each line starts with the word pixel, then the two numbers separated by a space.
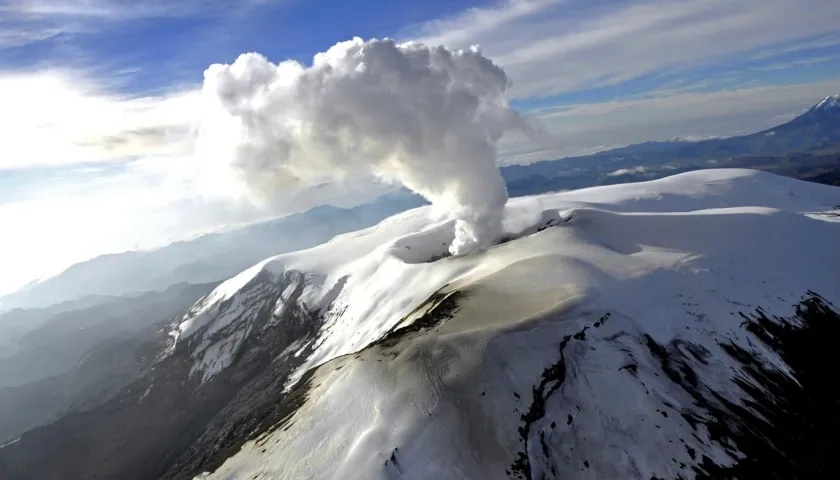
pixel 829 102
pixel 636 331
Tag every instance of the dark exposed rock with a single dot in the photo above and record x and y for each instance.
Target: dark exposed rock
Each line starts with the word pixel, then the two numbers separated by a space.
pixel 441 307
pixel 787 426
pixel 551 380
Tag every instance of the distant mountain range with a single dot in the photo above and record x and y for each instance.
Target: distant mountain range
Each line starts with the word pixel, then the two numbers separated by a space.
pixel 807 147
pixel 77 354
pixel 815 131
pixel 817 127
pixel 208 258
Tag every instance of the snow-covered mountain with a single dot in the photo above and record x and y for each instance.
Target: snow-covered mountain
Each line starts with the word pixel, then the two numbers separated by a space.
pixel 679 328
pixel 584 350
pixel 829 103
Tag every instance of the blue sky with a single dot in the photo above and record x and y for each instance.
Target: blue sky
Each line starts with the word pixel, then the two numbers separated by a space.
pixel 101 96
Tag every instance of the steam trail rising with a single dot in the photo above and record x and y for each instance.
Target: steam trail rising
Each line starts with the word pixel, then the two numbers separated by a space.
pixel 426 117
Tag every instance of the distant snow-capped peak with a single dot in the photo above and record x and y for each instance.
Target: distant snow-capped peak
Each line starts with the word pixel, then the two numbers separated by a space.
pixel 830 102
pixel 692 138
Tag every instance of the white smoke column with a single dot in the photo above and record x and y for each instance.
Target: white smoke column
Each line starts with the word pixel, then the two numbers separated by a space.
pixel 426 117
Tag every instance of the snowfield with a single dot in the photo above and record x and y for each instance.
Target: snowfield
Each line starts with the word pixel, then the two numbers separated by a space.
pixel 593 342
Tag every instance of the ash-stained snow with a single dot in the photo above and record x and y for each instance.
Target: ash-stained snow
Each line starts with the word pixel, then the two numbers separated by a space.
pixel 550 363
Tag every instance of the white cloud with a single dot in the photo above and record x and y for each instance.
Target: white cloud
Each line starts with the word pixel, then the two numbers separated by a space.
pixel 51 118
pixel 84 8
pixel 15 36
pixel 109 10
pixel 800 63
pixel 628 171
pixel 823 41
pixel 29 21
pixel 23 22
pixel 558 47
pixel 465 27
pixel 105 173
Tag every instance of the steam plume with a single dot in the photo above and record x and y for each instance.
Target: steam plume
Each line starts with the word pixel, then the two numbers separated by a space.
pixel 426 117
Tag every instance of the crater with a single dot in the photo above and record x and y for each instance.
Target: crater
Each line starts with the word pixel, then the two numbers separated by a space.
pixel 432 244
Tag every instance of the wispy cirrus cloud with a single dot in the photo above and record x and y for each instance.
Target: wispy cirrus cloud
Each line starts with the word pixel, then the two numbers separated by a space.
pixel 819 42
pixel 474 23
pixel 551 47
pixel 24 22
pixel 800 62
pixel 104 9
pixel 119 10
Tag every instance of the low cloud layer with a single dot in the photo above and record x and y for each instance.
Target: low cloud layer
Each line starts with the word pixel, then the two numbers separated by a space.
pixel 425 117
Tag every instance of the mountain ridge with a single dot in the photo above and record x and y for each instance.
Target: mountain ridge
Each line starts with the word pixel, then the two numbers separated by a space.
pixel 807 130
pixel 208 258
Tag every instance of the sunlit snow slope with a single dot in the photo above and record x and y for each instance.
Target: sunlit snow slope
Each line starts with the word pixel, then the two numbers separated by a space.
pixel 618 332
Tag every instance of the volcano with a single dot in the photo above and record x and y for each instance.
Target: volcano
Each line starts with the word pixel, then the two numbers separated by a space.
pixel 678 328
